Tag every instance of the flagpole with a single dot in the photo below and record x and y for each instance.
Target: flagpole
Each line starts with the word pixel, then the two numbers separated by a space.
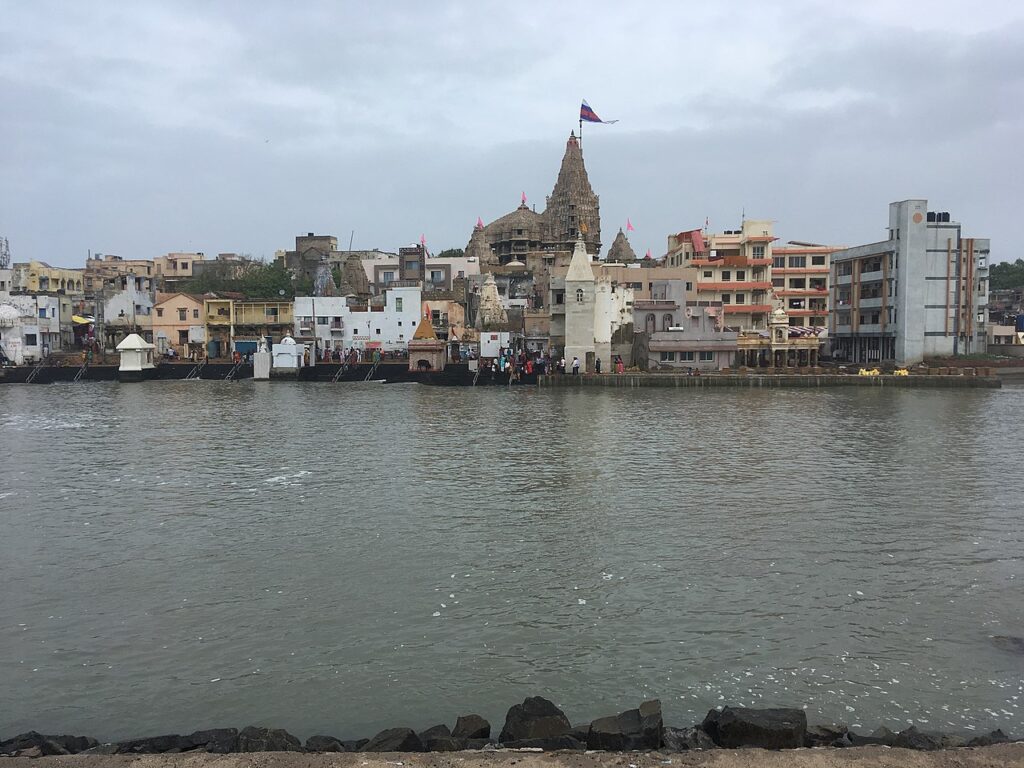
pixel 581 132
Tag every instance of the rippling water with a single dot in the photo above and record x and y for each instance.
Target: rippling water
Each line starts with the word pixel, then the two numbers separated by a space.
pixel 343 558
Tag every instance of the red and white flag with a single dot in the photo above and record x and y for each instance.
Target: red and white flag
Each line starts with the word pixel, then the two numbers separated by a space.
pixel 629 225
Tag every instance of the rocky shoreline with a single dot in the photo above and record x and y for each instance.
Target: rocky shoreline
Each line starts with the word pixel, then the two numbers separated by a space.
pixel 535 725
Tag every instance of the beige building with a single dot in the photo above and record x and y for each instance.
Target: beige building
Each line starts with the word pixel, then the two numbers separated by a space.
pixel 176 266
pixel 800 278
pixel 40 277
pixel 178 324
pixel 733 267
pixel 238 325
pixel 102 271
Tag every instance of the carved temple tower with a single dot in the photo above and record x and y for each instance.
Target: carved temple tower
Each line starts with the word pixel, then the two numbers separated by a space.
pixel 572 207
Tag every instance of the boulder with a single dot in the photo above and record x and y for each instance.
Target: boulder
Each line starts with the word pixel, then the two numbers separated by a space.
pixel 479 744
pixel 74 744
pixel 29 752
pixel 633 729
pixel 686 739
pixel 354 745
pixel 254 739
pixel 434 732
pixel 394 740
pixel 471 727
pixel 535 718
pixel 767 728
pixel 988 739
pixel 153 745
pixel 216 740
pixel 911 738
pixel 548 744
pixel 47 745
pixel 324 744
pixel 881 736
pixel 444 744
pixel 824 735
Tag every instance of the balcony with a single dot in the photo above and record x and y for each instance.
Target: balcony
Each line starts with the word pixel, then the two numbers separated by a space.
pixel 735 285
pixel 746 309
pixel 656 304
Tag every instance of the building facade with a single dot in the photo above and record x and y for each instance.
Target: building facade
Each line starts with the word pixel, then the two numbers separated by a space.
pixel 331 323
pixel 178 325
pixel 921 293
pixel 800 278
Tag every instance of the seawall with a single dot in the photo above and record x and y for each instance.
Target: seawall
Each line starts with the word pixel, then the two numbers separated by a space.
pixel 805 381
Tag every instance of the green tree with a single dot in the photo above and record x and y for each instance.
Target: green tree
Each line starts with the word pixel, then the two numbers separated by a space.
pixel 1006 274
pixel 453 253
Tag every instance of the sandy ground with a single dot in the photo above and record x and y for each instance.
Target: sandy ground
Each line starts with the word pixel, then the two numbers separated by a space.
pixel 860 757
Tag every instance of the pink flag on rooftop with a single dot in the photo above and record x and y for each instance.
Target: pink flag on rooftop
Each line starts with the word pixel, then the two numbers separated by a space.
pixel 479 223
pixel 629 225
pixel 423 240
pixel 524 198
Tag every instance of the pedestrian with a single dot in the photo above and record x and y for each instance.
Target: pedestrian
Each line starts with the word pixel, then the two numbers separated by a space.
pixel 597 365
pixel 575 366
pixel 561 366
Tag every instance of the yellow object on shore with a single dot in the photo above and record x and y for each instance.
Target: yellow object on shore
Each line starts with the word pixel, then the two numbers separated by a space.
pixel 901 372
pixel 868 372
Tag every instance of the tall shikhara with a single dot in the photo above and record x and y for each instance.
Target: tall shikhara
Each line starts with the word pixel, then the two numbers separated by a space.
pixel 572 207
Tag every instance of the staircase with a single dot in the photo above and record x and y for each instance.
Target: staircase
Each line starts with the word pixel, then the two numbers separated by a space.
pixel 195 372
pixel 340 372
pixel 35 371
pixel 373 370
pixel 81 372
pixel 233 371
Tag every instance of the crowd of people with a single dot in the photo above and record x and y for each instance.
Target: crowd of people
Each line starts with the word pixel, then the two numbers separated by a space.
pixel 518 364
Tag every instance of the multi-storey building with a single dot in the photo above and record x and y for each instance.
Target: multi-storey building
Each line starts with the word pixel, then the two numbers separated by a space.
pixel 40 277
pixel 238 325
pixel 921 293
pixel 331 323
pixel 800 279
pixel 176 266
pixel 178 324
pixel 102 271
pixel 733 268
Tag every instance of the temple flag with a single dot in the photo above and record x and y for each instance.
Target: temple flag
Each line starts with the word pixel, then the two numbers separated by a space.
pixel 423 240
pixel 524 198
pixel 479 223
pixel 629 225
pixel 590 116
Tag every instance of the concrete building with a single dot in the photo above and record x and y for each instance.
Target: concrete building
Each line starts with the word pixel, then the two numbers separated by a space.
pixel 40 277
pixel 579 302
pixel 335 324
pixel 127 308
pixel 29 327
pixel 734 268
pixel 234 324
pixel 921 293
pixel 675 331
pixel 800 278
pixel 178 324
pixel 102 270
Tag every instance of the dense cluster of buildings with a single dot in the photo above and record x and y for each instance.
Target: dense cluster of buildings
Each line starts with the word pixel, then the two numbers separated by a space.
pixel 538 282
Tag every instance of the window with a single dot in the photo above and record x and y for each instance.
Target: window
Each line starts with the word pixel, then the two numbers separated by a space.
pixel 726 298
pixel 182 313
pixel 159 312
pixel 195 314
pixel 462 273
pixel 817 261
pixel 271 312
pixel 436 276
pixel 579 295
pixel 686 357
pixel 666 322
pixel 689 286
pixel 668 357
pixel 184 266
pixel 387 277
pixel 741 275
pixel 42 312
pixel 707 356
pixel 377 331
pixel 758 251
pixel 741 298
pixel 798 261
pixel 183 337
pixel 707 273
pixel 726 276
pixel 399 323
pixel 321 320
pixel 31 340
pixel 398 305
pixel 778 282
pixel 797 282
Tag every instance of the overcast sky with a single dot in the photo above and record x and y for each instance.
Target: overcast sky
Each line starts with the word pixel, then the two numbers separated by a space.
pixel 138 128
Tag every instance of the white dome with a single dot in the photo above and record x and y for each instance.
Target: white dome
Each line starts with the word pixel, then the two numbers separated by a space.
pixel 9 316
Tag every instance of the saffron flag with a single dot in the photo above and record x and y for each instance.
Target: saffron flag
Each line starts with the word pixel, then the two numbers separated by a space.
pixel 590 116
pixel 524 198
pixel 629 225
pixel 648 254
pixel 479 223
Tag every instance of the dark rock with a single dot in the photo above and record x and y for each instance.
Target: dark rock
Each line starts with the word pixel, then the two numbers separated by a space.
pixel 823 735
pixel 434 732
pixel 74 744
pixel 767 728
pixel 911 738
pixel 324 744
pixel 394 740
pixel 254 739
pixel 633 729
pixel 1009 643
pixel 216 740
pixel 152 745
pixel 29 752
pixel 478 743
pixel 354 745
pixel 842 742
pixel 535 718
pixel 686 739
pixel 548 743
pixel 579 732
pixel 471 727
pixel 100 749
pixel 444 744
pixel 23 742
pixel 881 736
pixel 987 740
